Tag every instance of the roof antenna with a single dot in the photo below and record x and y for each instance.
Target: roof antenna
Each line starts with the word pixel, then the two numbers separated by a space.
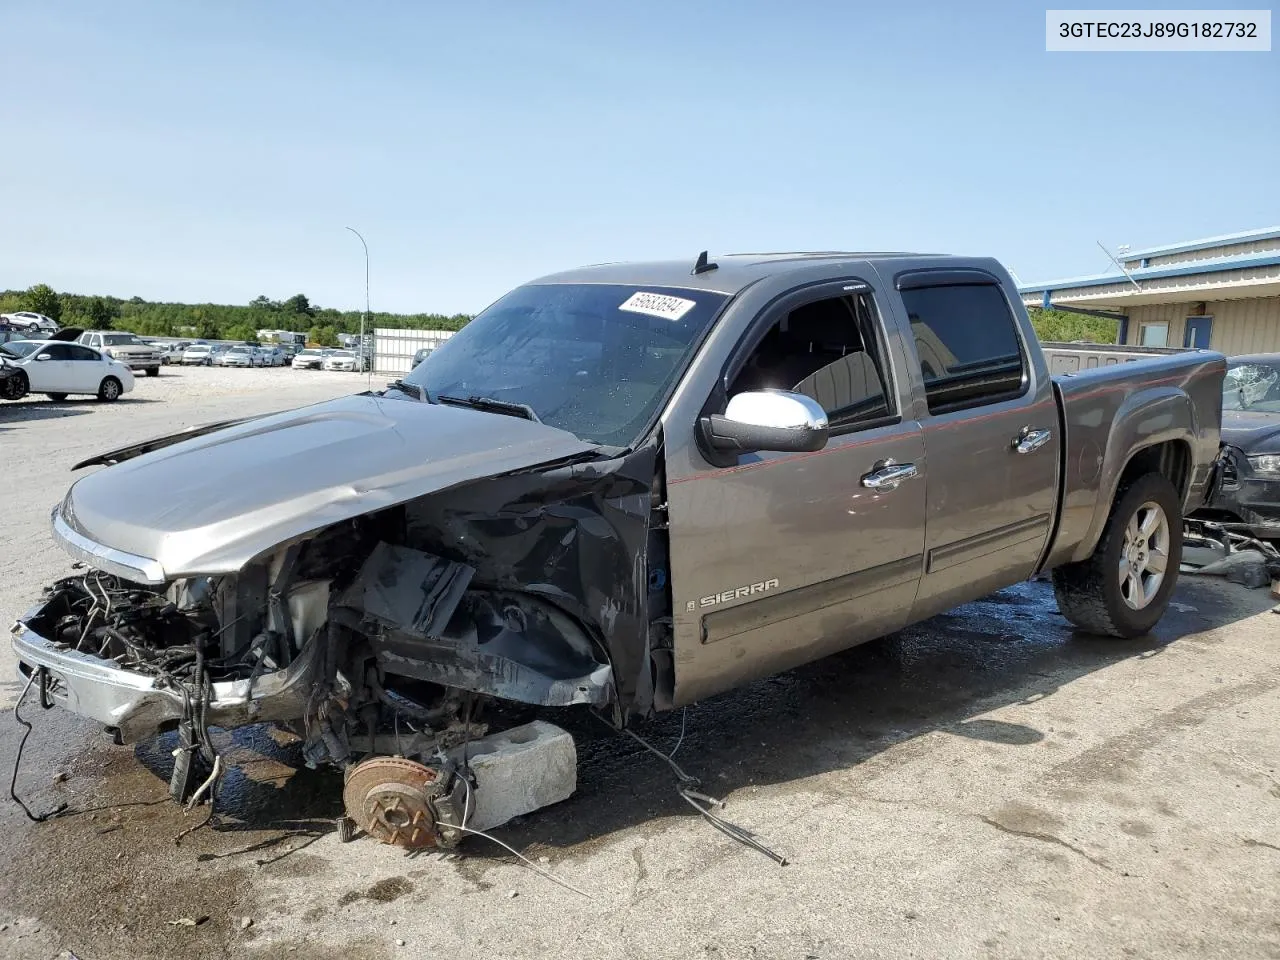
pixel 702 266
pixel 1120 266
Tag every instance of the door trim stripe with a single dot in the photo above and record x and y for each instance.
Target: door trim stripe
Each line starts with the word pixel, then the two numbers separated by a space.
pixel 984 544
pixel 774 608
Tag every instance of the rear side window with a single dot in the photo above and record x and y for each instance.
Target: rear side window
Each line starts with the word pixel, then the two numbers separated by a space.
pixel 967 345
pixel 83 353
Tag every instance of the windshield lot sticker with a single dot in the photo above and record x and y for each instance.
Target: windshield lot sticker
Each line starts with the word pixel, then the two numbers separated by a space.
pixel 658 305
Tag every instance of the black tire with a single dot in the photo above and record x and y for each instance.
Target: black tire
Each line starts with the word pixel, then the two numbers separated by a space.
pixel 56 397
pixel 110 389
pixel 14 386
pixel 1091 593
pixel 153 371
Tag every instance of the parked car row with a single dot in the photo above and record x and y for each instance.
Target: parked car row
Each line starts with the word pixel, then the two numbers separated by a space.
pixel 327 358
pixel 232 355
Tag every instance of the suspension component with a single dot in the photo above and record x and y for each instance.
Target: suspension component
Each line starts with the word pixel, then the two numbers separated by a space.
pixel 402 802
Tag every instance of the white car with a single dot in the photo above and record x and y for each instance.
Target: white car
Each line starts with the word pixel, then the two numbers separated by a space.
pixel 34 322
pixel 312 359
pixel 57 368
pixel 240 356
pixel 341 360
pixel 198 354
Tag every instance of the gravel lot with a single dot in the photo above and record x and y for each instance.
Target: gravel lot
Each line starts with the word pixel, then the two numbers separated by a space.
pixel 985 785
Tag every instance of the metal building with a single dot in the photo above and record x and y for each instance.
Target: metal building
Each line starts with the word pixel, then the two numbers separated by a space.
pixel 1220 292
pixel 393 349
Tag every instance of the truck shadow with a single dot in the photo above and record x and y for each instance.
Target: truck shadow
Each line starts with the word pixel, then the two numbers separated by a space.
pixel 29 411
pixel 942 675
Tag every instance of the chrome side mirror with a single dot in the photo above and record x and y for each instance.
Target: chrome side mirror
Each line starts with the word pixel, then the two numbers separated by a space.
pixel 772 420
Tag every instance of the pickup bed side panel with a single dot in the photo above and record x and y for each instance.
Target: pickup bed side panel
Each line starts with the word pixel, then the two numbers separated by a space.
pixel 1112 413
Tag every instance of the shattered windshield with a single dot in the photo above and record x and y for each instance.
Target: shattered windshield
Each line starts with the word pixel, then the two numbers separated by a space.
pixel 596 360
pixel 1252 386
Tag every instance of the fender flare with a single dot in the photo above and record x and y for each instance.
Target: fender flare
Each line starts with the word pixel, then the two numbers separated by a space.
pixel 1148 417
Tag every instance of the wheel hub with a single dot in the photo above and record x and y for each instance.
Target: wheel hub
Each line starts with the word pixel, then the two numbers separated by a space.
pixel 390 798
pixel 1144 555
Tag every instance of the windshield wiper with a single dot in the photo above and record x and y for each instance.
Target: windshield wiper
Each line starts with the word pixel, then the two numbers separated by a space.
pixel 494 406
pixel 413 389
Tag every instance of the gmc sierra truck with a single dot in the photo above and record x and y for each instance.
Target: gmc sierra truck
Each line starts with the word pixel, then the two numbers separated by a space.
pixel 628 487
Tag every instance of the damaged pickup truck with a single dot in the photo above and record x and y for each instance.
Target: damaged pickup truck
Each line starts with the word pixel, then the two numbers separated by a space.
pixel 625 487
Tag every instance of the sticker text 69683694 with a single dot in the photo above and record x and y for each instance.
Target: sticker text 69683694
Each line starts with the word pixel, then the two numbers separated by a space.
pixel 658 305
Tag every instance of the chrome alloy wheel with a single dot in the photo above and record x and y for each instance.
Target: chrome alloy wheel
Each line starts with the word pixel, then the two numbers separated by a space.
pixel 1144 556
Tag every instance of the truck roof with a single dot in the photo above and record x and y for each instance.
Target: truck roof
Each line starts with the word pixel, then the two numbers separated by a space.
pixel 733 272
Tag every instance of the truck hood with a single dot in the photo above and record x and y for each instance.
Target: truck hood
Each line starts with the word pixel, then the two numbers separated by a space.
pixel 209 503
pixel 1251 430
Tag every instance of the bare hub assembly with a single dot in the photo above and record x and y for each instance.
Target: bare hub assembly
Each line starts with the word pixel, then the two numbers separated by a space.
pixel 403 802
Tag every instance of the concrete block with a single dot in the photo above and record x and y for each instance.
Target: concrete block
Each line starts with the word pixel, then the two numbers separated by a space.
pixel 520 770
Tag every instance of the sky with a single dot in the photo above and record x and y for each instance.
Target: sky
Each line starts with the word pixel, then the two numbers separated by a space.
pixel 215 151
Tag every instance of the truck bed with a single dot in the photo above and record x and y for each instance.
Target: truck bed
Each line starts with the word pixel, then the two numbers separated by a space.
pixel 1156 398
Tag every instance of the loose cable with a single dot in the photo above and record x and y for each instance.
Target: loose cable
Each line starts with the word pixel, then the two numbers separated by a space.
pixel 17 760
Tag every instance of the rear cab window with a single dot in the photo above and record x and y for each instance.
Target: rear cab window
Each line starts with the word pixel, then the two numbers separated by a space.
pixel 966 341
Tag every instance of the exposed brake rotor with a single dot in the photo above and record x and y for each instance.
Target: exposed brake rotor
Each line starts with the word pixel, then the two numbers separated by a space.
pixel 390 798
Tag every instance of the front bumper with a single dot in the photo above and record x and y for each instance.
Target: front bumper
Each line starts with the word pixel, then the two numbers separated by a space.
pixel 139 363
pixel 136 708
pixel 1242 495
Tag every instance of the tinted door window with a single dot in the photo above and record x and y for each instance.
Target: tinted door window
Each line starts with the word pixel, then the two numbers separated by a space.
pixel 58 351
pixel 826 350
pixel 82 353
pixel 967 345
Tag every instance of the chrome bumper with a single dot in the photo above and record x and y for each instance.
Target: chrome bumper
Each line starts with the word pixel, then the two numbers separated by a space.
pixel 132 704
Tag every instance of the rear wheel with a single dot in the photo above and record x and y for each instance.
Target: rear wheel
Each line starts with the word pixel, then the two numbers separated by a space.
pixel 153 371
pixel 110 389
pixel 56 397
pixel 1124 588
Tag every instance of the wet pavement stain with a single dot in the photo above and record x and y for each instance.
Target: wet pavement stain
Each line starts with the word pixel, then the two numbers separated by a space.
pixel 384 891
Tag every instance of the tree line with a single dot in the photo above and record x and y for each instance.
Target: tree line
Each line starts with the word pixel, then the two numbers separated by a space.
pixel 213 321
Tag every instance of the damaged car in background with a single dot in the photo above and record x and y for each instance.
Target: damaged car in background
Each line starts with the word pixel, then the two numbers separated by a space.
pixel 1246 492
pixel 622 488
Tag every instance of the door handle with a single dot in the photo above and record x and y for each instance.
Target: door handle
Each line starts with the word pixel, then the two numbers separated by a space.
pixel 1029 441
pixel 889 476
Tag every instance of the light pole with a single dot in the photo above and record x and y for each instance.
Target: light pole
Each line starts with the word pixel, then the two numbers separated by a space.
pixel 366 300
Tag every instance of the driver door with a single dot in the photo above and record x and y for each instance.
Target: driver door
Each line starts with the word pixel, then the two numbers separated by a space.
pixel 780 558
pixel 51 375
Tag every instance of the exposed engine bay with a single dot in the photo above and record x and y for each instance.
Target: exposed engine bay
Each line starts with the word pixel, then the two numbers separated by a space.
pixel 363 644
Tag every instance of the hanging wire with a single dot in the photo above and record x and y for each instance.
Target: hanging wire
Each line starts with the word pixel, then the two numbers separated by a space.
pixel 42 674
pixel 687 786
pixel 466 813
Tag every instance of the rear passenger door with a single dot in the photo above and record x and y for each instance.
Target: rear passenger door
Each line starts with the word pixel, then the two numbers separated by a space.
pixel 990 434
pixel 86 369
